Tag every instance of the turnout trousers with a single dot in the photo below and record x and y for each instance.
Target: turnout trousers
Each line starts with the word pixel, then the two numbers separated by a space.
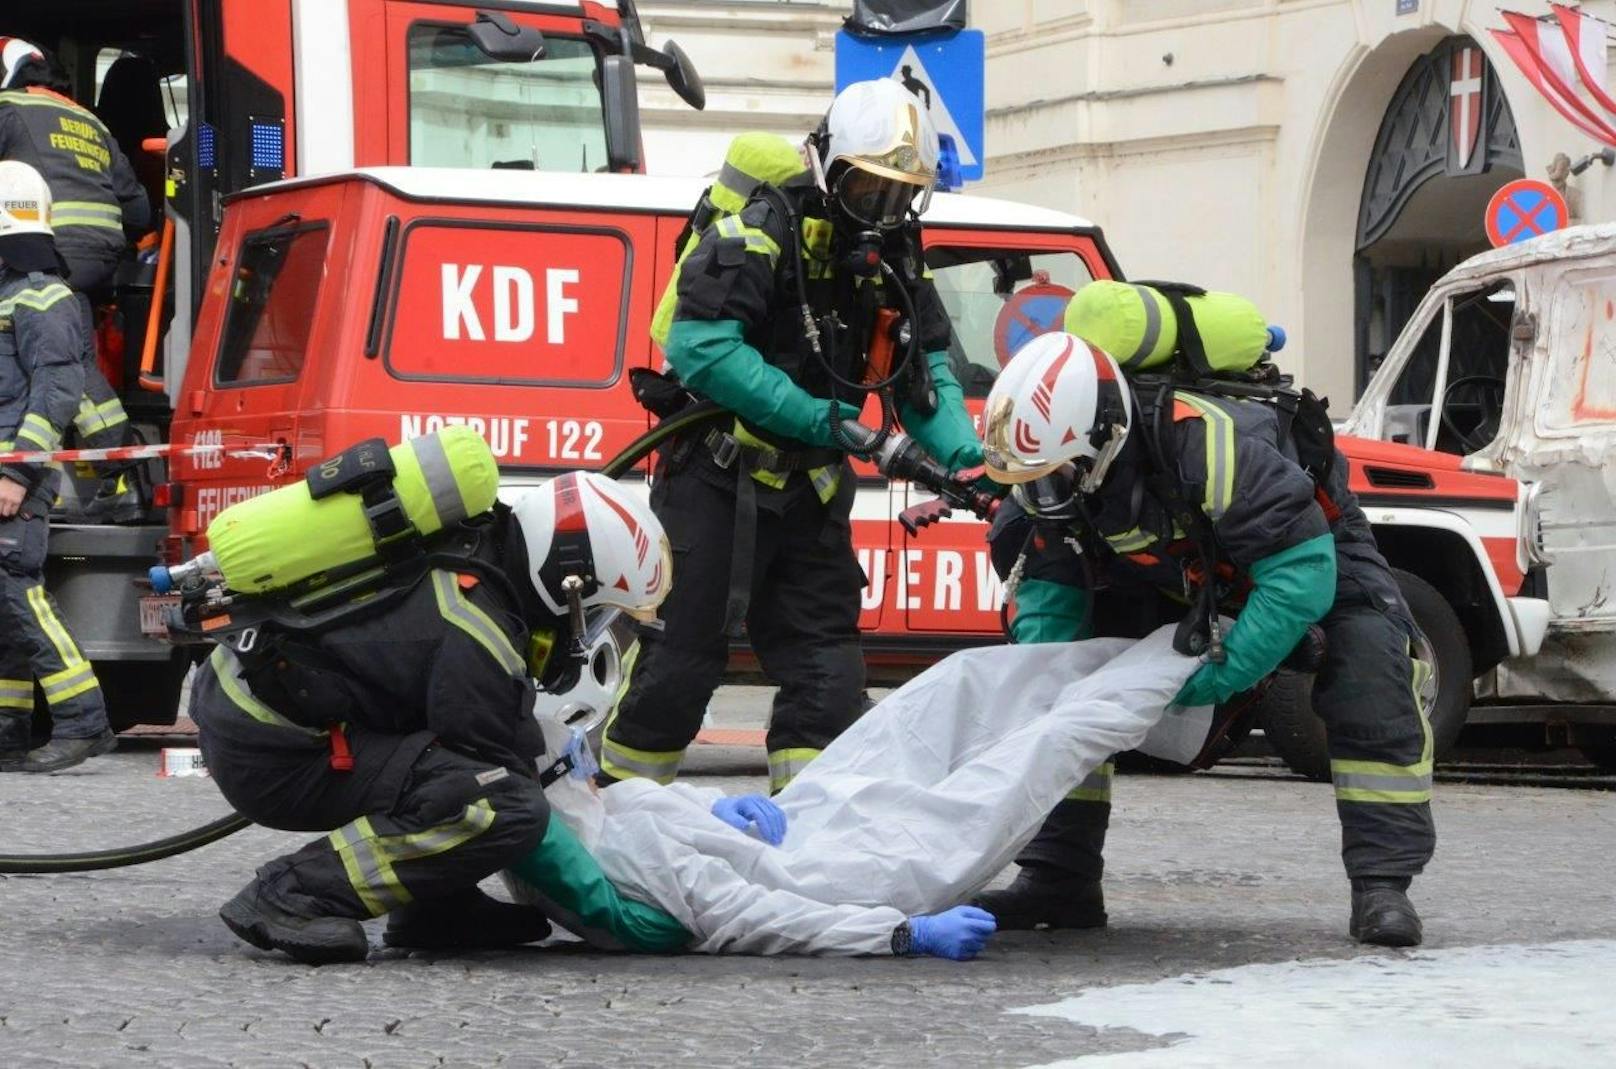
pixel 101 421
pixel 801 621
pixel 410 821
pixel 35 643
pixel 1369 696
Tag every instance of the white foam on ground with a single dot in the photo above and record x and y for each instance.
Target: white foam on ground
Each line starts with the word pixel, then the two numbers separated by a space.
pixel 1506 1006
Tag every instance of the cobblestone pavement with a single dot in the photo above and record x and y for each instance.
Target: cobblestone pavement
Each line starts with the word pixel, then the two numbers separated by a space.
pixel 132 967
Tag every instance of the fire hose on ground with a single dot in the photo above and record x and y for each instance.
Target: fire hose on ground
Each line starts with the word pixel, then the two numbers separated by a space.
pixel 896 456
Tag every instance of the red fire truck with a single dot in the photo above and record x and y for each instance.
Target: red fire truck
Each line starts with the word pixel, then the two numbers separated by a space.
pixel 208 97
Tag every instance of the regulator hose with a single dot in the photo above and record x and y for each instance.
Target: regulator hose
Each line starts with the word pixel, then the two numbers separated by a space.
pixel 692 416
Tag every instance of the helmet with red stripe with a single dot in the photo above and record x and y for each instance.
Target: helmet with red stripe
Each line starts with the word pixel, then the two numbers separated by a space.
pixel 1059 401
pixel 589 533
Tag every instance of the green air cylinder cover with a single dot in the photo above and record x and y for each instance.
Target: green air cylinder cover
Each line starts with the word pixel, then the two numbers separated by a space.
pixel 753 159
pixel 281 538
pixel 1136 325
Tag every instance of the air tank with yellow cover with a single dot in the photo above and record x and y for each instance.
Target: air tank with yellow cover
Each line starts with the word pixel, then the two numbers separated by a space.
pixel 320 524
pixel 1137 325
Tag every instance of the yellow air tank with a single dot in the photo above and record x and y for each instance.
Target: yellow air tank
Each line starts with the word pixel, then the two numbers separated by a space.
pixel 284 537
pixel 1136 325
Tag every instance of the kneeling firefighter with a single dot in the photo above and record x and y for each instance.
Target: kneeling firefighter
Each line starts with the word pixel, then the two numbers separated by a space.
pixel 380 628
pixel 808 295
pixel 1127 492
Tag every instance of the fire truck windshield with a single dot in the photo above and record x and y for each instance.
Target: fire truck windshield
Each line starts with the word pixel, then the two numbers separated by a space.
pixel 469 110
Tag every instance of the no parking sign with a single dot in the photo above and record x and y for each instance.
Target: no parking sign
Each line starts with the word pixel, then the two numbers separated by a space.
pixel 1038 309
pixel 1524 209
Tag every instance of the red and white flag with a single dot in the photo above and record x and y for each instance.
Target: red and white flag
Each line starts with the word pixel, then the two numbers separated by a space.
pixel 1465 102
pixel 1545 59
pixel 1586 38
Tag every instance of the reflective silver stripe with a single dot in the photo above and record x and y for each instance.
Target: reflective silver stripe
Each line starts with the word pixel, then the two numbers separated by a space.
pixel 1152 327
pixel 736 180
pixel 787 765
pixel 1096 786
pixel 825 480
pixel 625 762
pixel 478 818
pixel 473 621
pixel 446 501
pixel 56 685
pixel 370 874
pixel 1358 781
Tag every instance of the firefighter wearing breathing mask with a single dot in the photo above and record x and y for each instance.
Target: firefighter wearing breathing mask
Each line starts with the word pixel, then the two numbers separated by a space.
pixel 784 311
pixel 1115 504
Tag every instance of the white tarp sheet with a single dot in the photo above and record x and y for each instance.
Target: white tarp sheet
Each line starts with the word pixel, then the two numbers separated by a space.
pixel 914 808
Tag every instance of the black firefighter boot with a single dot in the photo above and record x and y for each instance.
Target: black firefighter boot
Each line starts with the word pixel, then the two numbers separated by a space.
pixel 271 922
pixel 58 754
pixel 1382 915
pixel 1044 897
pixel 464 920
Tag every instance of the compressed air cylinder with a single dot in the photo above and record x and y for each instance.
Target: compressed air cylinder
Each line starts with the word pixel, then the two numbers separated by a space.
pixel 282 538
pixel 1136 325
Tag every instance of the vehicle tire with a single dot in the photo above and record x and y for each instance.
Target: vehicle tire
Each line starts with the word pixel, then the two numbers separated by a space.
pixel 1297 734
pixel 142 692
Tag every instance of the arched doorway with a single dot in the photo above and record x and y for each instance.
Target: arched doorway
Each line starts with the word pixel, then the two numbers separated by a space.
pixel 1446 143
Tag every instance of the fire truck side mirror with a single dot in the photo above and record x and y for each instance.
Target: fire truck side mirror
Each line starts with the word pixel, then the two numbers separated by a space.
pixel 621 99
pixel 497 37
pixel 683 77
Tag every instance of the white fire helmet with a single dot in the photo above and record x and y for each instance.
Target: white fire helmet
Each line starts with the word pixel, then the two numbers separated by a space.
pixel 14 52
pixel 588 526
pixel 1059 401
pixel 25 200
pixel 878 152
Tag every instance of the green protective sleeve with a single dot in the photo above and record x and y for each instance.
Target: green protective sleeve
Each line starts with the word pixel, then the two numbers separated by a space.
pixel 947 434
pixel 1049 612
pixel 580 897
pixel 713 358
pixel 1292 588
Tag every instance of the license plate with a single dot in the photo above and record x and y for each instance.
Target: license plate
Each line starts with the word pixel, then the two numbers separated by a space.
pixel 153 607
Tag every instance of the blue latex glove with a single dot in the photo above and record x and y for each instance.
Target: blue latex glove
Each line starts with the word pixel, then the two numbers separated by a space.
pixel 745 809
pixel 958 934
pixel 1291 589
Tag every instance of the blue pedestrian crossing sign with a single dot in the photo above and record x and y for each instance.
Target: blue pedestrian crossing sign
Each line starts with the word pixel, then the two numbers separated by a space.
pixel 945 71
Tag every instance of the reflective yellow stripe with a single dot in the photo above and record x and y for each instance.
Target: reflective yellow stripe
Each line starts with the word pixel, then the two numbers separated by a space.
pixel 63 221
pixel 755 240
pixel 88 207
pixel 40 299
pixel 369 872
pixel 625 762
pixel 787 765
pixel 455 608
pixel 1130 541
pixel 70 682
pixel 36 100
pixel 1219 455
pixel 228 671
pixel 16 694
pixel 1096 786
pixel 774 479
pixel 65 649
pixel 478 818
pixel 1388 784
pixel 825 481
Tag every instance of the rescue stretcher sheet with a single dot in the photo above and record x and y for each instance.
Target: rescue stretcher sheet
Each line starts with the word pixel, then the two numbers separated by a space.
pixel 914 808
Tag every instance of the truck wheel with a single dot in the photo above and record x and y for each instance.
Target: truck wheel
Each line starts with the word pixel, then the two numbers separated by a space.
pixel 1297 734
pixel 142 692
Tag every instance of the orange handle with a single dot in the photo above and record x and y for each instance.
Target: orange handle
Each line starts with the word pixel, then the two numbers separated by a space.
pixel 154 315
pixel 878 361
pixel 157 146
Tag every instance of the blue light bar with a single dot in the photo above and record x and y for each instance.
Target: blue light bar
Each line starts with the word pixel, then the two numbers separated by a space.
pixel 268 146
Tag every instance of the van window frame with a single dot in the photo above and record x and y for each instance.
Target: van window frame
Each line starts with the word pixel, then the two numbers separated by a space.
pixel 396 288
pixel 294 231
pixel 409 95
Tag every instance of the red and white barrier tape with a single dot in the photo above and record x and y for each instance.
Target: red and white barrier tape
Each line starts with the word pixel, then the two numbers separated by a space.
pixel 261 450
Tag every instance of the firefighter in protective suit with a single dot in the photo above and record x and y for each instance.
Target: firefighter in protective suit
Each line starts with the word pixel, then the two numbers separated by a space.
pixel 40 380
pixel 99 201
pixel 1093 532
pixel 775 313
pixel 408 735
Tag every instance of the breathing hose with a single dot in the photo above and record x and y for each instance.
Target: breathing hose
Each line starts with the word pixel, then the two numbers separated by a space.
pixel 693 416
